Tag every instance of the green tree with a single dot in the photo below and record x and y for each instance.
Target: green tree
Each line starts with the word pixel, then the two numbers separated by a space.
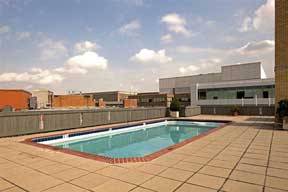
pixel 175 105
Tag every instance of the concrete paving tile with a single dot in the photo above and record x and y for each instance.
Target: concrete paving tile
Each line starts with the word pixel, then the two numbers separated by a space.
pixel 14 189
pixel 176 156
pixel 256 156
pixel 66 187
pixel 279 154
pixel 233 153
pixel 165 161
pixel 195 159
pixel 194 188
pixel 40 163
pixel 151 168
pixel 177 174
pixel 70 174
pixel 92 165
pixel 277 183
pixel 254 161
pixel 227 158
pixel 206 181
pixel 248 177
pixel 5 185
pixel 161 184
pixel 236 186
pixel 29 179
pixel 54 168
pixel 205 154
pixel 135 177
pixel 221 163
pixel 279 165
pixel 268 189
pixel 282 173
pixel 215 171
pixel 140 189
pixel 114 186
pixel 258 151
pixel 193 167
pixel 251 168
pixel 113 171
pixel 279 159
pixel 90 181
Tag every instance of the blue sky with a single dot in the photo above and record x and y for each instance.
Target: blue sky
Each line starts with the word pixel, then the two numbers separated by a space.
pixel 96 45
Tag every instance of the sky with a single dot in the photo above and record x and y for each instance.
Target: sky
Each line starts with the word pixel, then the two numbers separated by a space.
pixel 105 45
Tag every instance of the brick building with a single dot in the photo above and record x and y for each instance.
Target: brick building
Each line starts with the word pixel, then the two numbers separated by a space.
pixel 281 52
pixel 110 96
pixel 73 101
pixel 153 99
pixel 18 99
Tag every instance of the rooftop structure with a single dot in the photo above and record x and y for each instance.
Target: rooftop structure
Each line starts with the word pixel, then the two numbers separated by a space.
pixel 44 98
pixel 242 81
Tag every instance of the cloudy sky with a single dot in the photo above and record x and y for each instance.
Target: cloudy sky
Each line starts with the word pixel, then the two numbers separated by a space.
pixel 102 45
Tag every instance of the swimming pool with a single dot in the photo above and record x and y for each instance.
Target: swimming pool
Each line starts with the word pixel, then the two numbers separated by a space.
pixel 138 141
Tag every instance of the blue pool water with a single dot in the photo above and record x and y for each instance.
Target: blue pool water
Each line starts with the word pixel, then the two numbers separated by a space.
pixel 136 142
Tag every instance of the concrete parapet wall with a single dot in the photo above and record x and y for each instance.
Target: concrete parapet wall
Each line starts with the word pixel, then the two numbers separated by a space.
pixel 192 111
pixel 20 123
pixel 244 110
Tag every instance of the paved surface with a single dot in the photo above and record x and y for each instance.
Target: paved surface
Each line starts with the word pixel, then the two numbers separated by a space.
pixel 249 155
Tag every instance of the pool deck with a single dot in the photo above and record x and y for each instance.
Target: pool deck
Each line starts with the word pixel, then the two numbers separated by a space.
pixel 247 155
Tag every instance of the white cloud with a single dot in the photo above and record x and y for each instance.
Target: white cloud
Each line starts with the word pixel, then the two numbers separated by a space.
pixel 190 69
pixel 4 29
pixel 23 35
pixel 167 38
pixel 80 64
pixel 84 46
pixel 262 19
pixel 257 47
pixel 203 64
pixel 37 76
pixel 130 28
pixel 176 24
pixel 185 49
pixel 150 56
pixel 51 49
pixel 246 25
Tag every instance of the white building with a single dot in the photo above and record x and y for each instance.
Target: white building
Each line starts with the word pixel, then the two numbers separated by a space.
pixel 244 84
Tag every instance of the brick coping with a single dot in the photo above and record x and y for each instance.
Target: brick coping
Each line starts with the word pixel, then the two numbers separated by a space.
pixel 110 160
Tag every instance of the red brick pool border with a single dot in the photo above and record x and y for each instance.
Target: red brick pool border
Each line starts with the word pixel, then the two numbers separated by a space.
pixel 122 160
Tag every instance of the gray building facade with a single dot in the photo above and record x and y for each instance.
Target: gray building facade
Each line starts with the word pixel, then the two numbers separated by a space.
pixel 234 82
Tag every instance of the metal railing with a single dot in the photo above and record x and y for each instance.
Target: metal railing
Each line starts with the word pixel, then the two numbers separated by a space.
pixel 241 102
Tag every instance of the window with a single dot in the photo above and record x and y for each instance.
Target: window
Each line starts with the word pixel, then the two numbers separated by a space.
pixel 150 100
pixel 240 94
pixel 202 95
pixel 215 98
pixel 265 94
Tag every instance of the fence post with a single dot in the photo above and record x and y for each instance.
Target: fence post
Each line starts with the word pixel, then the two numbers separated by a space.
pixel 256 100
pixel 41 121
pixel 81 118
pixel 109 116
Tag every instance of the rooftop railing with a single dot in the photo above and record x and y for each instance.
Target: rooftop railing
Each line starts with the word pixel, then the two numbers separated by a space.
pixel 240 102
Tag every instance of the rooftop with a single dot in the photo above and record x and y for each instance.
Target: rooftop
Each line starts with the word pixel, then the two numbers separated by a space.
pixel 247 155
